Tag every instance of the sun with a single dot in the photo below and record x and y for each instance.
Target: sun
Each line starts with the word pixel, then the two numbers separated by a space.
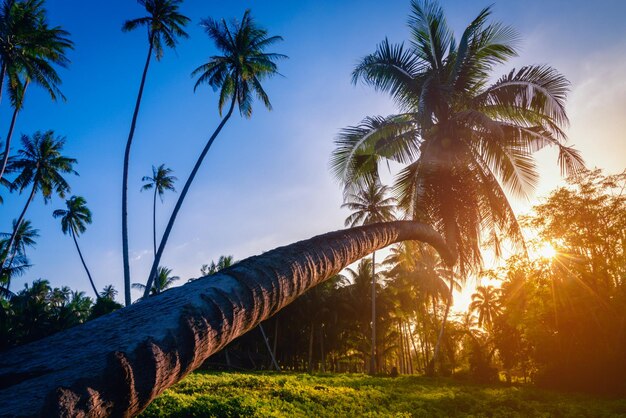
pixel 546 250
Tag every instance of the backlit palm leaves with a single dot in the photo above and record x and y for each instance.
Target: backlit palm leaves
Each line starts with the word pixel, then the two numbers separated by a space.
pixel 486 303
pixel 370 205
pixel 462 139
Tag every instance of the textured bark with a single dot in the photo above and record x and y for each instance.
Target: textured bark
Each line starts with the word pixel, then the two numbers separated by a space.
pixel 117 364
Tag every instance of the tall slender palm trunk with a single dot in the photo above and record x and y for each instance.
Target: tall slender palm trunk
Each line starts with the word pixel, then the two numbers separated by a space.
pixel 125 256
pixel 18 223
pixel 269 349
pixel 157 285
pixel 443 325
pixel 3 74
pixel 8 286
pixel 154 221
pixel 7 142
pixel 311 335
pixel 373 348
pixel 183 194
pixel 80 254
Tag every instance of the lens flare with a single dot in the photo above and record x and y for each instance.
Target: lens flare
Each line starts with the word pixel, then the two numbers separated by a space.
pixel 547 250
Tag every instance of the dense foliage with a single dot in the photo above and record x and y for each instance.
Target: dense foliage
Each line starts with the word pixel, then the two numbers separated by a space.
pixel 40 310
pixel 555 321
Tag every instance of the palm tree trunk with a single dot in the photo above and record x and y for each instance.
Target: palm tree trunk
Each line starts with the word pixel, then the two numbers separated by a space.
pixel 154 221
pixel 127 299
pixel 7 142
pixel 157 284
pixel 443 324
pixel 275 344
pixel 310 362
pixel 373 348
pixel 269 350
pixel 4 74
pixel 119 363
pixel 322 353
pixel 181 198
pixel 7 145
pixel 8 286
pixel 412 337
pixel 17 224
pixel 80 254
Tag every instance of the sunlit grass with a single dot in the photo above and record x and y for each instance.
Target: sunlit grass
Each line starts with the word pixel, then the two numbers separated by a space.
pixel 350 395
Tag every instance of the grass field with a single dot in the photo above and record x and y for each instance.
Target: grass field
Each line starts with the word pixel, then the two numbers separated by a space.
pixel 300 395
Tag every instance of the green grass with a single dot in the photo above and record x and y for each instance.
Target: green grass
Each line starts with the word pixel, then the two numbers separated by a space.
pixel 206 394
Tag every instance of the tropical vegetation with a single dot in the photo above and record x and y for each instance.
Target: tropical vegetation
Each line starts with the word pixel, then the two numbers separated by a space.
pixel 463 141
pixel 548 309
pixel 326 395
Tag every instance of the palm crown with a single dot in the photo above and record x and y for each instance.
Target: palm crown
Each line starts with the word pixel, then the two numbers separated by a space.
pixel 164 24
pixel 486 302
pixel 29 48
pixel 370 205
pixel 163 281
pixel 244 64
pixel 161 180
pixel 75 218
pixel 25 236
pixel 461 139
pixel 41 164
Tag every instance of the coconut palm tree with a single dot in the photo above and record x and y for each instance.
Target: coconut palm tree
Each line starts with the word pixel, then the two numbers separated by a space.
pixel 73 222
pixel 18 263
pixel 165 25
pixel 370 205
pixel 40 165
pixel 108 292
pixel 101 368
pixel 486 303
pixel 237 74
pixel 421 266
pixel 164 280
pixel 464 141
pixel 29 51
pixel 161 181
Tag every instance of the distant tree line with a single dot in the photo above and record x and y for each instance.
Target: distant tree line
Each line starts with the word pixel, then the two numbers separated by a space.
pixel 558 320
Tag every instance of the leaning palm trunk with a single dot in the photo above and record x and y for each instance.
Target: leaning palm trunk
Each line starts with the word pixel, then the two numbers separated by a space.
pixel 117 364
pixel 183 194
pixel 129 142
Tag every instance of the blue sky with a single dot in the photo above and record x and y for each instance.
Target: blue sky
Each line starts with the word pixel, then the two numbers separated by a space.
pixel 265 182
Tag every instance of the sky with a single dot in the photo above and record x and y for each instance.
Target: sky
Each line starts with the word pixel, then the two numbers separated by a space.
pixel 266 182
